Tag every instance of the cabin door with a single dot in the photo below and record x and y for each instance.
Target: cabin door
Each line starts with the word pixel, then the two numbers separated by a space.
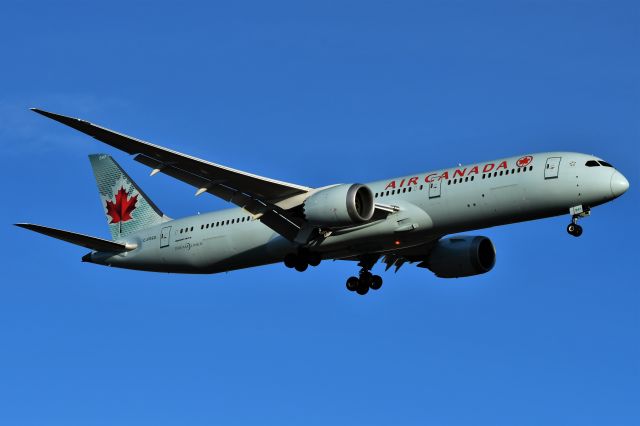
pixel 552 168
pixel 165 234
pixel 434 189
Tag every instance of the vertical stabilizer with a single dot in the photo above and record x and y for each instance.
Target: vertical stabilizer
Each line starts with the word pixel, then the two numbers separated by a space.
pixel 127 208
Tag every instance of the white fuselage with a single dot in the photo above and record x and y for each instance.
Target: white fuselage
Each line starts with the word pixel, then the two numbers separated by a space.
pixel 428 206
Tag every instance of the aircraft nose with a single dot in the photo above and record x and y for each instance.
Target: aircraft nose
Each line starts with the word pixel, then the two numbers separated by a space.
pixel 619 184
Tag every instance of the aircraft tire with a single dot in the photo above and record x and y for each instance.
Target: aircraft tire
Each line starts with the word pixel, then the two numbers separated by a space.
pixel 574 229
pixel 352 283
pixel 578 231
pixel 376 282
pixel 301 266
pixel 362 290
pixel 314 259
pixel 290 260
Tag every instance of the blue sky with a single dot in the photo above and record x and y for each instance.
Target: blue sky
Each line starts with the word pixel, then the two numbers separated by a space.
pixel 318 93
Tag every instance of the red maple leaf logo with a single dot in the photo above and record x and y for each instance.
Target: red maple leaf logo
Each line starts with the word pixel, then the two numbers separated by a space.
pixel 120 211
pixel 524 161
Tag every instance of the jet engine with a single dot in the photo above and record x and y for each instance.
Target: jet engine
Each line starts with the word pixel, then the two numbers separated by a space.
pixel 340 205
pixel 462 256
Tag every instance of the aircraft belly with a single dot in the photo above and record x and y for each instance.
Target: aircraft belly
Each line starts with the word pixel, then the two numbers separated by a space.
pixel 410 225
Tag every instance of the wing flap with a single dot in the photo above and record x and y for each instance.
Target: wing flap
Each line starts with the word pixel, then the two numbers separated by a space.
pixel 270 214
pixel 93 243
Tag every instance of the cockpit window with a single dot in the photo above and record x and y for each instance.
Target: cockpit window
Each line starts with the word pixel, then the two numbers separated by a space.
pixel 604 163
pixel 592 163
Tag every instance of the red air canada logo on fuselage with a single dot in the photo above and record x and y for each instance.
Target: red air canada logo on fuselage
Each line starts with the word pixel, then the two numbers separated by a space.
pixel 463 172
pixel 524 161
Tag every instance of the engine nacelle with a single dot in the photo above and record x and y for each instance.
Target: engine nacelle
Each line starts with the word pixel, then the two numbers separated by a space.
pixel 340 205
pixel 457 257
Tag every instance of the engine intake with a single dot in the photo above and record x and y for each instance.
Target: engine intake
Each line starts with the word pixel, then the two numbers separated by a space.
pixel 340 205
pixel 457 257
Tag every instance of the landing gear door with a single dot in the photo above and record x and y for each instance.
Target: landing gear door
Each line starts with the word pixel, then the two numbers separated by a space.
pixel 552 168
pixel 165 234
pixel 434 189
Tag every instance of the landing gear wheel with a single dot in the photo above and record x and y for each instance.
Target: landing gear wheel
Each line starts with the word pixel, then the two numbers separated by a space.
pixel 352 283
pixel 301 266
pixel 290 260
pixel 578 231
pixel 362 290
pixel 314 259
pixel 364 282
pixel 574 229
pixel 376 282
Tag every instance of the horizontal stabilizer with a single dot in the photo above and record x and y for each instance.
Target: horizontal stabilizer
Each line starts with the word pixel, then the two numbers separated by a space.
pixel 93 243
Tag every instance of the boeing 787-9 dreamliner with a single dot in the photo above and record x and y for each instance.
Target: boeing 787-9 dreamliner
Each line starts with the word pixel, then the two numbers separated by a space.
pixel 407 219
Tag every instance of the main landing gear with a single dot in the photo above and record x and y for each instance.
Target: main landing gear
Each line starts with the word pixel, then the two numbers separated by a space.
pixel 302 260
pixel 577 212
pixel 364 282
pixel 361 284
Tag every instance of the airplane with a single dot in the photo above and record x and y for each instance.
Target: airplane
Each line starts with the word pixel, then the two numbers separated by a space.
pixel 413 219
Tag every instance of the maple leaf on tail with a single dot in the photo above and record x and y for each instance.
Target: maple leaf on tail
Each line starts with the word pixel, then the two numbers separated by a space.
pixel 120 210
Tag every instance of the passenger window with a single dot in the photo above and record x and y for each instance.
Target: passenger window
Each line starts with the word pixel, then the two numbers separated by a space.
pixel 495 174
pixel 592 163
pixel 192 228
pixel 472 178
pixel 530 168
pixel 449 182
pixel 420 187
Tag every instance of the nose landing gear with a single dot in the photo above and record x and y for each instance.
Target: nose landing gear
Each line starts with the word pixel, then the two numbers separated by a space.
pixel 577 212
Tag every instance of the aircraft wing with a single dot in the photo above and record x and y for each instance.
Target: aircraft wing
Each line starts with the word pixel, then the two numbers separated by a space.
pixel 256 194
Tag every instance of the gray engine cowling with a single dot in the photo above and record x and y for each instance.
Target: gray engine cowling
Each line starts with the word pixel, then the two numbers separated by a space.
pixel 340 205
pixel 462 256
